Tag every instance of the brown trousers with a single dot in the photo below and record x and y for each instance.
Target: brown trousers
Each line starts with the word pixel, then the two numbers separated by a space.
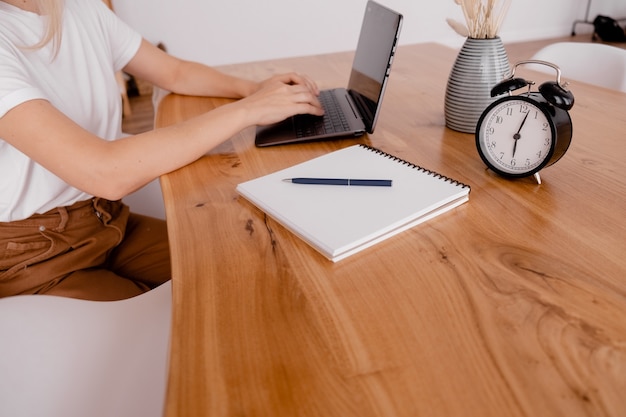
pixel 94 249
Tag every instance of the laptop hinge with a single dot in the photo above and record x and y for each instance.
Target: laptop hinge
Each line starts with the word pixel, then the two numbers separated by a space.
pixel 363 109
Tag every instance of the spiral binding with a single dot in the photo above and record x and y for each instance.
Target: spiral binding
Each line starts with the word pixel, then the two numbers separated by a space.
pixel 414 166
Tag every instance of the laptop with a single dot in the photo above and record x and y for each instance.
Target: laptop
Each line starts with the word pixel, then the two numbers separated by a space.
pixel 354 110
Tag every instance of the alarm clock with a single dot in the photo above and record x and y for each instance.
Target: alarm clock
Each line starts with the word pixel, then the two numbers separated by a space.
pixel 518 135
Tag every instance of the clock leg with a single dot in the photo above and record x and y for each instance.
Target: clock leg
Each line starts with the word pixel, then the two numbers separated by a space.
pixel 537 178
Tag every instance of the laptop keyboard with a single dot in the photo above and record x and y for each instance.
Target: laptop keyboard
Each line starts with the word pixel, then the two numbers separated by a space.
pixel 333 120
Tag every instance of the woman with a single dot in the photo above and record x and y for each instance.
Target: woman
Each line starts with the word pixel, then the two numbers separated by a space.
pixel 63 168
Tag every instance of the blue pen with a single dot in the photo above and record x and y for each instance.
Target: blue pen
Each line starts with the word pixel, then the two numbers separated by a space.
pixel 340 181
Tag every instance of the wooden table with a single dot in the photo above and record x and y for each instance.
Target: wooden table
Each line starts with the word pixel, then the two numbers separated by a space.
pixel 513 304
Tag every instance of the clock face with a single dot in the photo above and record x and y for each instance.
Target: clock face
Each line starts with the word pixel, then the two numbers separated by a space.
pixel 515 136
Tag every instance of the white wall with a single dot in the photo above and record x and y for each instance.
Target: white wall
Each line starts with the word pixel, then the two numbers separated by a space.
pixel 230 31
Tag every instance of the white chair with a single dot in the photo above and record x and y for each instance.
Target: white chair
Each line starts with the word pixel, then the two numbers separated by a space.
pixel 147 200
pixel 63 357
pixel 593 63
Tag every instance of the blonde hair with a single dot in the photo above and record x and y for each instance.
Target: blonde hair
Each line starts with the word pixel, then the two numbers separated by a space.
pixel 53 10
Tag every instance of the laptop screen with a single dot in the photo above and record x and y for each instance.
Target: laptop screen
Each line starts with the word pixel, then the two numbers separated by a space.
pixel 372 60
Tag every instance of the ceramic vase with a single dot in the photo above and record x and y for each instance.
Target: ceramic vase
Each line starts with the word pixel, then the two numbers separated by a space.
pixel 479 66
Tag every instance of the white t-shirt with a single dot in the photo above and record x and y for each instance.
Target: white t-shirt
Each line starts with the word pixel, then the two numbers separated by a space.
pixel 80 82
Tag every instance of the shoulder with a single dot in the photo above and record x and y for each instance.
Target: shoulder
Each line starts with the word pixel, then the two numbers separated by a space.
pixel 94 20
pixel 88 10
pixel 91 14
pixel 86 6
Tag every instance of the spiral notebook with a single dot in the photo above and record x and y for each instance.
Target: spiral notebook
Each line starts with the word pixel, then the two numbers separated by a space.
pixel 339 221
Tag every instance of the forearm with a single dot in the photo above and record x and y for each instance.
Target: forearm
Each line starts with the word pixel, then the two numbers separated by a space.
pixel 192 78
pixel 186 77
pixel 138 159
pixel 113 169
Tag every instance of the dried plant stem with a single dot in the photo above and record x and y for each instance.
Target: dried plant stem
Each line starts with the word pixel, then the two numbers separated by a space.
pixel 484 17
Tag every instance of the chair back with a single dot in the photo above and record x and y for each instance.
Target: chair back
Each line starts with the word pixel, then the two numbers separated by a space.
pixel 63 357
pixel 593 63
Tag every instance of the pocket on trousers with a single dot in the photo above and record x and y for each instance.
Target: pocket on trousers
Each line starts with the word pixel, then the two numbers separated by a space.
pixel 24 251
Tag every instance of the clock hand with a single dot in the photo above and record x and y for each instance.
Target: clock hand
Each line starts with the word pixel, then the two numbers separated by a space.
pixel 517 136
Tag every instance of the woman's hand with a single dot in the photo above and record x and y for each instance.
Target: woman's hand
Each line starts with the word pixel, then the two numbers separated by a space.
pixel 280 97
pixel 294 79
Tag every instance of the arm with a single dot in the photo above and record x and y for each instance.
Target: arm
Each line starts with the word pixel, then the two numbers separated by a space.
pixel 185 77
pixel 191 78
pixel 114 169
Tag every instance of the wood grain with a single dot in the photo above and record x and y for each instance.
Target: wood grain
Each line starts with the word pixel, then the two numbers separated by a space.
pixel 513 304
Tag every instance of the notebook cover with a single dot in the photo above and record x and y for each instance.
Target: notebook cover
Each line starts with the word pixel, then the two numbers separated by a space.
pixel 339 221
